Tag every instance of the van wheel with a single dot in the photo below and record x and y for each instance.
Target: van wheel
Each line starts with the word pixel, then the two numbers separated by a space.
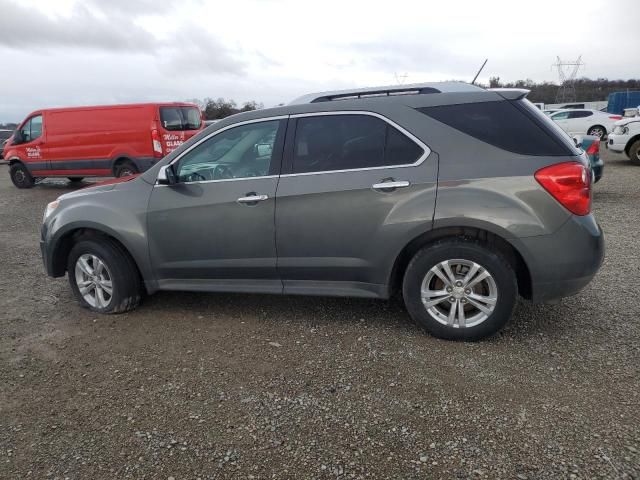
pixel 460 289
pixel 634 152
pixel 75 179
pixel 103 276
pixel 20 176
pixel 125 169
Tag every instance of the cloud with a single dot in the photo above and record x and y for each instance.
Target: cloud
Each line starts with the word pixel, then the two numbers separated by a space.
pixel 24 28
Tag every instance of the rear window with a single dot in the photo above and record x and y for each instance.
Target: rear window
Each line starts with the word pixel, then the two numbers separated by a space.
pixel 504 124
pixel 180 118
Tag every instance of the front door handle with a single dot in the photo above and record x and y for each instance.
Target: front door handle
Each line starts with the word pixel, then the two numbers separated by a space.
pixel 252 199
pixel 390 186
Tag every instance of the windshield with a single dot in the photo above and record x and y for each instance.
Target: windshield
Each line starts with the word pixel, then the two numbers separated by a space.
pixel 180 118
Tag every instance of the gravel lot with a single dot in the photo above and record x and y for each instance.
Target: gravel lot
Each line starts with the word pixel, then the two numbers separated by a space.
pixel 251 386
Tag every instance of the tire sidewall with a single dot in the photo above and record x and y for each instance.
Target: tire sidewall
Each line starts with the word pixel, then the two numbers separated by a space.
pixel 27 181
pixel 113 265
pixel 493 262
pixel 129 166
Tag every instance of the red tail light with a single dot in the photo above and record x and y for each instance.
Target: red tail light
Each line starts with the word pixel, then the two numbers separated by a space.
pixel 570 184
pixel 157 144
pixel 615 117
pixel 594 148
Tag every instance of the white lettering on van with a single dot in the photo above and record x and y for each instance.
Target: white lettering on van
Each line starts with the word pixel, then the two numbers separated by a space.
pixel 33 152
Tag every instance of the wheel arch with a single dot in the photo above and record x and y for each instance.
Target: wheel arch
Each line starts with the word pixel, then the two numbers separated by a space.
pixel 485 235
pixel 65 240
pixel 631 141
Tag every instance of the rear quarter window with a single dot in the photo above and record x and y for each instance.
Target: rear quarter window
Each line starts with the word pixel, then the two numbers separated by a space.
pixel 503 124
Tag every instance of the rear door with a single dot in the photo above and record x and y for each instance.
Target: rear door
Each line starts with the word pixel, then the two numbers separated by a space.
pixel 580 121
pixel 178 123
pixel 214 230
pixel 339 220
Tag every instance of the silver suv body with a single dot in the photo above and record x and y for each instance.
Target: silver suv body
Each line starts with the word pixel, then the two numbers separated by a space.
pixel 457 197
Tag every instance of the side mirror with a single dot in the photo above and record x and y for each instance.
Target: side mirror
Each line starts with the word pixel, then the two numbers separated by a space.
pixel 167 175
pixel 263 149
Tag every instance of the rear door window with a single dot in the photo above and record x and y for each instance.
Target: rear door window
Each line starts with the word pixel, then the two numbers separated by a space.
pixel 180 118
pixel 346 142
pixel 502 124
pixel 580 114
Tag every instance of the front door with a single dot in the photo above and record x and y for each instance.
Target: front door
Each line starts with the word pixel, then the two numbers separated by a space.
pixel 356 187
pixel 32 150
pixel 214 230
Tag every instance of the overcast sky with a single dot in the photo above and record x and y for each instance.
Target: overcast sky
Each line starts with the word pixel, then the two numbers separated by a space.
pixel 83 52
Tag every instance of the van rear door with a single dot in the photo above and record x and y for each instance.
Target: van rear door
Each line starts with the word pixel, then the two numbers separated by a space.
pixel 178 123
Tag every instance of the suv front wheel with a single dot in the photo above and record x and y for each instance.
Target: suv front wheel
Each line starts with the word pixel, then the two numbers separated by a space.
pixel 103 276
pixel 460 289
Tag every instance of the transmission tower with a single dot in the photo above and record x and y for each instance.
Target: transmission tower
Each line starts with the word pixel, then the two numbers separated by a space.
pixel 567 71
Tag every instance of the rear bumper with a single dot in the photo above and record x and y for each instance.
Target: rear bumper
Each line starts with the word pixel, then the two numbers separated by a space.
pixel 563 263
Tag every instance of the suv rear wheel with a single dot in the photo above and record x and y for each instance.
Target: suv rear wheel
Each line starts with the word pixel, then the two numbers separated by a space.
pixel 103 276
pixel 20 176
pixel 460 289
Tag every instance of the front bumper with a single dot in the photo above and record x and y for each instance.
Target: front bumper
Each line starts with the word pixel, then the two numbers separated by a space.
pixel 563 263
pixel 617 143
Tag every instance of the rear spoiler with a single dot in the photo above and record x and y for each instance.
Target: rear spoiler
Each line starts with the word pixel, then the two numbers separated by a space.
pixel 511 93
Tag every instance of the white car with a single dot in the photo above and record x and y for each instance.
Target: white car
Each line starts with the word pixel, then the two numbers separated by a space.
pixel 583 121
pixel 626 138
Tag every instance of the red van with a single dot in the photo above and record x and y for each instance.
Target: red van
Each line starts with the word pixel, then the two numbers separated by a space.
pixel 116 140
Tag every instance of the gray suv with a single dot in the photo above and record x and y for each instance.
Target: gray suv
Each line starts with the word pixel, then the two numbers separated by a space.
pixel 459 198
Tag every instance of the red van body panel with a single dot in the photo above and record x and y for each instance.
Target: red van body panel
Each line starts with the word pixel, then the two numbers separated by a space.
pixel 90 141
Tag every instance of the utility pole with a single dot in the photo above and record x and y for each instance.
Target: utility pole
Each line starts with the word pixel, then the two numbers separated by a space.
pixel 567 72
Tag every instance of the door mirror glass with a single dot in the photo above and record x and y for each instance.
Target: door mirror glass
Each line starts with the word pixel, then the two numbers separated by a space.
pixel 264 149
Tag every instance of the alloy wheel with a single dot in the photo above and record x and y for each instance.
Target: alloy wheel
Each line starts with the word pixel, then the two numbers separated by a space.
pixel 94 280
pixel 459 293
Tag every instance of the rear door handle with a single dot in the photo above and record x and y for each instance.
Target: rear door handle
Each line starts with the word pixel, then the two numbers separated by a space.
pixel 252 198
pixel 389 186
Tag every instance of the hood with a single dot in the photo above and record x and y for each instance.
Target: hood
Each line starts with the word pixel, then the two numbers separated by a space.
pixel 105 186
pixel 626 121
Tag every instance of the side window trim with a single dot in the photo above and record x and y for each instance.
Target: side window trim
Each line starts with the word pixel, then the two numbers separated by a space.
pixel 287 170
pixel 229 127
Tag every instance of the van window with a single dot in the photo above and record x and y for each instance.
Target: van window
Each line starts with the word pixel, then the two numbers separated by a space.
pixel 32 129
pixel 503 124
pixel 180 118
pixel 346 142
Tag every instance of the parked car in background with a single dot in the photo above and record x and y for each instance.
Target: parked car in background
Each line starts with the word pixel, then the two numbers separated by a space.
pixel 5 135
pixel 625 138
pixel 115 140
pixel 335 194
pixel 583 121
pixel 550 111
pixel 591 146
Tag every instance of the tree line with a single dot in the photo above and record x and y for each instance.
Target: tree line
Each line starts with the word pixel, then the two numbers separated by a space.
pixel 587 89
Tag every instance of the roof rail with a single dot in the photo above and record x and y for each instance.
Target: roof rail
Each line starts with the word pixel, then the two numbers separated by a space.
pixel 386 91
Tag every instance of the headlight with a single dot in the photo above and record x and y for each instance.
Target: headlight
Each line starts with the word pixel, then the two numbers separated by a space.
pixel 50 208
pixel 621 130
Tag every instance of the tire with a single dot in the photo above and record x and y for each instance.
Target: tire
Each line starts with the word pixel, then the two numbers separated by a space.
pixel 119 269
pixel 75 179
pixel 463 254
pixel 20 176
pixel 597 131
pixel 634 152
pixel 125 169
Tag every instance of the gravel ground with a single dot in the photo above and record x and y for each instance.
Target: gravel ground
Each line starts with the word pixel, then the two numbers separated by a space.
pixel 251 386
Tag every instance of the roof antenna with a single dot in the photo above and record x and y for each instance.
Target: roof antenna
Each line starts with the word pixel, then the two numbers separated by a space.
pixel 476 77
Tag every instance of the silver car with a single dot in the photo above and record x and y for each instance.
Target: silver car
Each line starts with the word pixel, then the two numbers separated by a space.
pixel 459 198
